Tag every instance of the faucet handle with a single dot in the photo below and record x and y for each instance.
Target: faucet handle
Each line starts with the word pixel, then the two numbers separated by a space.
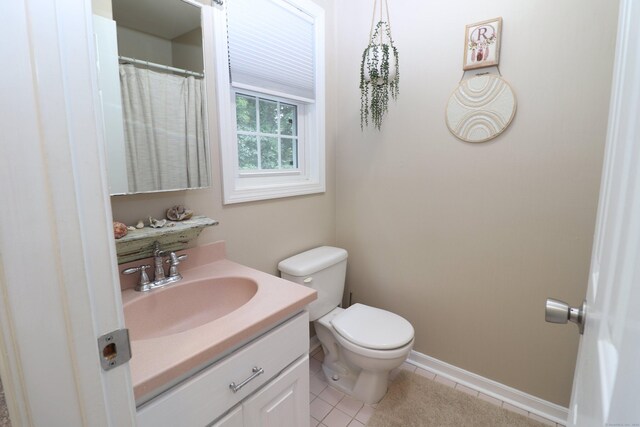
pixel 144 277
pixel 174 260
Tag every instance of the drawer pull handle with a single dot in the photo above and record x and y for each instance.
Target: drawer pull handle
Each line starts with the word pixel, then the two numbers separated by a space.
pixel 256 371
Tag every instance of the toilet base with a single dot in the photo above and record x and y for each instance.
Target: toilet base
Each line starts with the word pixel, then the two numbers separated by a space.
pixel 368 387
pixel 364 378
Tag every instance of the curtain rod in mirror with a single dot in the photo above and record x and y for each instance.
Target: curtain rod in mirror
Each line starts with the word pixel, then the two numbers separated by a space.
pixel 163 67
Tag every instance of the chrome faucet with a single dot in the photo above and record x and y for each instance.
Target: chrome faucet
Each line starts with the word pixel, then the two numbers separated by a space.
pixel 160 279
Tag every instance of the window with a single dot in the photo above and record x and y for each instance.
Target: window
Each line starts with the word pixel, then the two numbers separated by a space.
pixel 270 80
pixel 267 133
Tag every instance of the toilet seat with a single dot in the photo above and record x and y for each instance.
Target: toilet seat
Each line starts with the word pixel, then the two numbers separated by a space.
pixel 372 328
pixel 374 354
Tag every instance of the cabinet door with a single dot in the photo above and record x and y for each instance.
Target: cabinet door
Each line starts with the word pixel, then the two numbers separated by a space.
pixel 232 419
pixel 284 402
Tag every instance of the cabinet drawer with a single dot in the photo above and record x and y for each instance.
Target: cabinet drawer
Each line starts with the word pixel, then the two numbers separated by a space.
pixel 206 396
pixel 284 402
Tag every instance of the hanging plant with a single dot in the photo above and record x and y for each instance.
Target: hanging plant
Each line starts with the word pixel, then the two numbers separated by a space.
pixel 379 75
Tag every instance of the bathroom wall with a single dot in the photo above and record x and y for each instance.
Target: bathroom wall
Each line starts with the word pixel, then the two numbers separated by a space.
pixel 186 51
pixel 467 240
pixel 258 234
pixel 143 46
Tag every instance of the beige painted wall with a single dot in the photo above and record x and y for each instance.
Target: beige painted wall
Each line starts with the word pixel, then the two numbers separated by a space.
pixel 143 46
pixel 258 234
pixel 186 51
pixel 467 240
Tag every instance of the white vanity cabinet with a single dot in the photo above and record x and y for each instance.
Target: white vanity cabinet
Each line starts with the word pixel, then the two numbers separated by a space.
pixel 279 395
pixel 284 402
pixel 235 418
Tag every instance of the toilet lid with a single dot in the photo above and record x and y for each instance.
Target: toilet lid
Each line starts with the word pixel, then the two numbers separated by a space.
pixel 373 328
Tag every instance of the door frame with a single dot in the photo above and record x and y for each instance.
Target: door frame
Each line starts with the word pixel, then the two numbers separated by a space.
pixel 59 288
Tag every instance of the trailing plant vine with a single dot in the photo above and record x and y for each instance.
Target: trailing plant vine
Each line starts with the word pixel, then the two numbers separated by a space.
pixel 375 83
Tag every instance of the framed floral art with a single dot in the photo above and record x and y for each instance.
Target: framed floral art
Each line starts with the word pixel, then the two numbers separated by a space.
pixel 482 44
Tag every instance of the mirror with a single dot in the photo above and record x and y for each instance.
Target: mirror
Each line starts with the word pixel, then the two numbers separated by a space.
pixel 152 90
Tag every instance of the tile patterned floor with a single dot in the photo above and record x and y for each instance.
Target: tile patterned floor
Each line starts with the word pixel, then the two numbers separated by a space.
pixel 332 408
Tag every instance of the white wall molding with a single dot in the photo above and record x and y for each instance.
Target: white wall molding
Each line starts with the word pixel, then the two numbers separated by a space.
pixel 518 398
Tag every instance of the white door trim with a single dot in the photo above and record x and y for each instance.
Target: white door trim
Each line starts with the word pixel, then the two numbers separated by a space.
pixel 59 288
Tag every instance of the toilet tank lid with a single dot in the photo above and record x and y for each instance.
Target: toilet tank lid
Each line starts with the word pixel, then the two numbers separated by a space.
pixel 312 261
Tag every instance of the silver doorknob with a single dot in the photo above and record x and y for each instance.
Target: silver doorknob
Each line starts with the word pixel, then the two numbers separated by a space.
pixel 560 312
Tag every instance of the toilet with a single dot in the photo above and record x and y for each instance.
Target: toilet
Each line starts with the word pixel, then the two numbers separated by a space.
pixel 361 344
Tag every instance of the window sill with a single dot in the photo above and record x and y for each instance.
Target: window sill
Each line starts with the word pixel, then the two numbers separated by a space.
pixel 251 194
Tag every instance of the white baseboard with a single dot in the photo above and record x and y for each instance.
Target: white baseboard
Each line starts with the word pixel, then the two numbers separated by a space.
pixel 548 410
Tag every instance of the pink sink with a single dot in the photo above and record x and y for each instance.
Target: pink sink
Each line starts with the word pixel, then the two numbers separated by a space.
pixel 218 306
pixel 181 307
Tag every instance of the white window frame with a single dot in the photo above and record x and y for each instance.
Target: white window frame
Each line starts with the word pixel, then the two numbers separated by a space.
pixel 245 186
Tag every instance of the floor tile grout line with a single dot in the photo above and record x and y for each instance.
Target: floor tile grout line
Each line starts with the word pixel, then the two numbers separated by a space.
pixel 351 418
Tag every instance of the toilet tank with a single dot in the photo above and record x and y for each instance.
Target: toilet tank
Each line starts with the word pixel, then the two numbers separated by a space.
pixel 322 269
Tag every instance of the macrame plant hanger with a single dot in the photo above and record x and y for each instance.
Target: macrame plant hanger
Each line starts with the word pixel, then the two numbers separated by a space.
pixel 373 18
pixel 379 69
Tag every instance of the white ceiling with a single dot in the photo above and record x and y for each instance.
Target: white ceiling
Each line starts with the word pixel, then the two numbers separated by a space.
pixel 162 18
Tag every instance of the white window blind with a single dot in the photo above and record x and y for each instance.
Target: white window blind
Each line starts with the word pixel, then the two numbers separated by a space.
pixel 271 48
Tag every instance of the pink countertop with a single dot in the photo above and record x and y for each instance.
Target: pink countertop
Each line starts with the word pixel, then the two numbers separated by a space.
pixel 159 363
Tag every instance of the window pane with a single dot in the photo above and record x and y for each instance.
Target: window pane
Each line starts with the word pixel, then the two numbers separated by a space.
pixel 247 152
pixel 246 112
pixel 269 152
pixel 268 116
pixel 288 147
pixel 288 115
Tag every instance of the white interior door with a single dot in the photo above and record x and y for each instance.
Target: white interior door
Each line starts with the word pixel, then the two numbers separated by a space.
pixel 59 289
pixel 607 379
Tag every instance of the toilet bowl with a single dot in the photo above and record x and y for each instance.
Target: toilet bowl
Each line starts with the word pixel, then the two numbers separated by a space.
pixel 361 344
pixel 361 369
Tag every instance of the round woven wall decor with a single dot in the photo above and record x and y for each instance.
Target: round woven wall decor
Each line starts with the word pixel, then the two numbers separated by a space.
pixel 481 108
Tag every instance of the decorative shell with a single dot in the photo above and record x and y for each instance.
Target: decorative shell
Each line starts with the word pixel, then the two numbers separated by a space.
pixel 119 229
pixel 179 213
pixel 131 228
pixel 140 224
pixel 156 223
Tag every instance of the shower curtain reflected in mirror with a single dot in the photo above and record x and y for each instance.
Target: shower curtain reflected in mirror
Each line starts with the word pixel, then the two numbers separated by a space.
pixel 4 412
pixel 164 126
